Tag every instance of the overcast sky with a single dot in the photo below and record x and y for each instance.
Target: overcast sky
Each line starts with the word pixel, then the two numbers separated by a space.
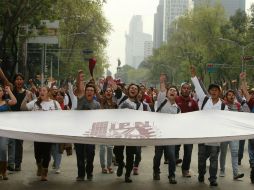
pixel 119 13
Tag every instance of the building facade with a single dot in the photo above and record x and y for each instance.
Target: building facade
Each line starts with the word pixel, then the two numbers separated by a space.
pixel 135 42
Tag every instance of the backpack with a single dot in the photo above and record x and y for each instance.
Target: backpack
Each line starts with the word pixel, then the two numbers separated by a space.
pixel 122 100
pixel 205 101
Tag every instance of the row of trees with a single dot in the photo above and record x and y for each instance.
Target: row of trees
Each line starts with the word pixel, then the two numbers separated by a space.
pixel 82 26
pixel 198 38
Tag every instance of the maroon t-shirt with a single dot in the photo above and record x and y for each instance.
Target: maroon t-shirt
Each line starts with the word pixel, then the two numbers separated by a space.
pixel 186 104
pixel 251 104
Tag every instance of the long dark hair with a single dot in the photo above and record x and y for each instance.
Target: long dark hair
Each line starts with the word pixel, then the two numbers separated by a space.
pixel 39 100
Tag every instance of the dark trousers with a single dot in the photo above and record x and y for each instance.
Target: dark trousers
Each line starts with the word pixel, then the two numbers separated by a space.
pixel 170 152
pixel 177 150
pixel 137 159
pixel 241 149
pixel 130 151
pixel 18 152
pixel 205 152
pixel 42 153
pixel 85 157
pixel 187 156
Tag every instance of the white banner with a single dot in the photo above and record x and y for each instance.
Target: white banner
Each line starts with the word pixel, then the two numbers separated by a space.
pixel 127 127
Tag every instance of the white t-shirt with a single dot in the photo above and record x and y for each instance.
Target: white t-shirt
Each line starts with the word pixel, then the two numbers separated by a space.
pixel 45 106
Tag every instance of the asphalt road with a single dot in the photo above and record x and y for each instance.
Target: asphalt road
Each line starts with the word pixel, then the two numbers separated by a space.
pixel 27 179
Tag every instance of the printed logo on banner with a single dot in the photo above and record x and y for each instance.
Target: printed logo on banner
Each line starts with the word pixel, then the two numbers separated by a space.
pixel 134 130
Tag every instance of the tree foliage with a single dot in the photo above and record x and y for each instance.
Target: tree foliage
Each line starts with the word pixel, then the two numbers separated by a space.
pixel 197 40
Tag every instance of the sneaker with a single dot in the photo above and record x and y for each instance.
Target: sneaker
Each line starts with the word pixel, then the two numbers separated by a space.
pixel 186 173
pixel 135 171
pixel 58 171
pixel 179 161
pixel 119 171
pixel 222 174
pixel 172 180
pixel 238 176
pixel 156 176
pixel 213 183
pixel 110 170
pixel 201 178
pixel 80 178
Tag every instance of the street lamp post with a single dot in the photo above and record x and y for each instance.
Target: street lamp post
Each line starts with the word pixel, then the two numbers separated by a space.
pixel 239 45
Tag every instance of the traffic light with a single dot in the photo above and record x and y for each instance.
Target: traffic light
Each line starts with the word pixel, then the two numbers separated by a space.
pixel 210 68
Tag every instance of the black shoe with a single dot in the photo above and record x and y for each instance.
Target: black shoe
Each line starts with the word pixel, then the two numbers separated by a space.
pixel 128 179
pixel 166 162
pixel 238 176
pixel 239 162
pixel 179 161
pixel 17 168
pixel 10 168
pixel 201 178
pixel 90 177
pixel 156 177
pixel 119 171
pixel 172 180
pixel 213 183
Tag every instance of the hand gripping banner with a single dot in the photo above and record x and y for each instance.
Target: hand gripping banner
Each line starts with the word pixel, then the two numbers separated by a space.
pixel 127 127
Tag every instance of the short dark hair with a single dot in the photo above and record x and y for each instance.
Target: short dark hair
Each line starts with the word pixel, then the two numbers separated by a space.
pixel 89 85
pixel 214 86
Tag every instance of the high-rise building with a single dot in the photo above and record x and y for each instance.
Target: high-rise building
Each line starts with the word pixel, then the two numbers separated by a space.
pixel 172 10
pixel 135 42
pixel 230 6
pixel 158 25
pixel 167 12
pixel 148 49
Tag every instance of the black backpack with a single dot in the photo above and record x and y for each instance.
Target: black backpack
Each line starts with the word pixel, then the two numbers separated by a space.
pixel 205 101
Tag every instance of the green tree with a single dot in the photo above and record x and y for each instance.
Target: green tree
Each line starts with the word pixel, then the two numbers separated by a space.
pixel 14 15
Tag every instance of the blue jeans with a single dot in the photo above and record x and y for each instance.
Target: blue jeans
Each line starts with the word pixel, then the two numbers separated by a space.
pixel 85 157
pixel 170 152
pixel 234 146
pixel 11 152
pixel 251 152
pixel 103 150
pixel 3 148
pixel 57 156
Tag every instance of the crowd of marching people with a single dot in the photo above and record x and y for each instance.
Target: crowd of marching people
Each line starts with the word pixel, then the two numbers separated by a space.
pixel 113 94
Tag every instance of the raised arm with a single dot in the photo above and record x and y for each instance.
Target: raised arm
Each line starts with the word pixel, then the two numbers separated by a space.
pixel 80 90
pixel 199 91
pixel 12 100
pixel 244 86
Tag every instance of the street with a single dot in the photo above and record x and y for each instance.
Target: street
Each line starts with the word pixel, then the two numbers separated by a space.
pixel 26 179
